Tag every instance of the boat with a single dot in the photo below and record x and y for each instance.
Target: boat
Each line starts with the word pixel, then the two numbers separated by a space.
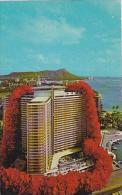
pixel 114 148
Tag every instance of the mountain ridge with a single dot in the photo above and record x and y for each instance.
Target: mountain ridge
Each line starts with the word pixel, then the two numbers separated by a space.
pixel 59 74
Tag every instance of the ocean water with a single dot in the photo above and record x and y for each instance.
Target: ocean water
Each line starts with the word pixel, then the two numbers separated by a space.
pixel 110 89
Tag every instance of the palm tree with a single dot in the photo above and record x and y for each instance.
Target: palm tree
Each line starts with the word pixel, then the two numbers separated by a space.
pixel 116 117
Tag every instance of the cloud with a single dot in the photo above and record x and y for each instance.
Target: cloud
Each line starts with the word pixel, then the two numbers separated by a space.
pixel 44 30
pixel 42 58
pixel 47 59
pixel 53 31
pixel 108 38
pixel 111 6
pixel 110 55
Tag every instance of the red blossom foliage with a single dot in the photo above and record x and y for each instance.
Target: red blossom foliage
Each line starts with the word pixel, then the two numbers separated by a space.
pixel 11 129
pixel 72 182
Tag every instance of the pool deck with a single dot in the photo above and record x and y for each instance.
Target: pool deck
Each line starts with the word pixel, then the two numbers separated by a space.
pixel 110 135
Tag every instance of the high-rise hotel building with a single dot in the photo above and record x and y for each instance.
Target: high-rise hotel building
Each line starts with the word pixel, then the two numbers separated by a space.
pixel 23 103
pixel 39 141
pixel 52 121
pixel 69 120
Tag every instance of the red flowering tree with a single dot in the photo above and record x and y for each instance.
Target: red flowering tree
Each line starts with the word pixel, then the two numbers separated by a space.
pixel 74 181
pixel 11 130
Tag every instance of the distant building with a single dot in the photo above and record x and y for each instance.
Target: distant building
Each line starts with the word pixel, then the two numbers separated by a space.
pixel 48 81
pixel 17 79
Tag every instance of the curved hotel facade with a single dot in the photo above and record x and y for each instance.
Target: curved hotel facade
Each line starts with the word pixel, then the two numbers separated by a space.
pixel 53 122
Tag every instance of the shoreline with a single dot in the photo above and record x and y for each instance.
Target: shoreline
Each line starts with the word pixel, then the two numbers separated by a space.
pixel 108 141
pixel 110 136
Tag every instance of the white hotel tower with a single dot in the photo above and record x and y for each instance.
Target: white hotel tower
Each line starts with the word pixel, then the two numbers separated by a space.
pixel 53 124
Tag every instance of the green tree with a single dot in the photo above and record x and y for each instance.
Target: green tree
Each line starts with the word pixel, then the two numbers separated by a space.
pixel 110 120
pixel 116 117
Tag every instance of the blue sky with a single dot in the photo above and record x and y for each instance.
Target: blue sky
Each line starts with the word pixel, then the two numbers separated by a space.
pixel 82 36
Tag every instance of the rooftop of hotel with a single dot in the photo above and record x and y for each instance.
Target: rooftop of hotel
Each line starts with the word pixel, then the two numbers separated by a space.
pixel 40 99
pixel 43 96
pixel 48 87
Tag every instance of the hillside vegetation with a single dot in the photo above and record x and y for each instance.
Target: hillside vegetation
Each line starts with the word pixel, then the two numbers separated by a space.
pixel 60 74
